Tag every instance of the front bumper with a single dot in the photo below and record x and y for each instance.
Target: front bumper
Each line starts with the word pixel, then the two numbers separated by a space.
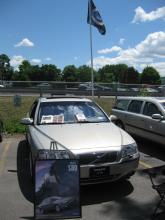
pixel 116 171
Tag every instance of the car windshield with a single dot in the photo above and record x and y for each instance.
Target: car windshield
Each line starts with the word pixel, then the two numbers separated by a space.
pixel 65 112
pixel 163 104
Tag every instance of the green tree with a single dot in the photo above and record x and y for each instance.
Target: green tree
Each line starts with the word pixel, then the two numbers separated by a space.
pixel 15 76
pixel 6 70
pixel 112 73
pixel 35 73
pixel 49 72
pixel 150 76
pixel 120 72
pixel 24 71
pixel 131 76
pixel 20 76
pixel 69 73
pixel 84 73
pixel 104 72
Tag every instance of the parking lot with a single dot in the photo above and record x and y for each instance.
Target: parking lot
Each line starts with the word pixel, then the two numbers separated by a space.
pixel 125 200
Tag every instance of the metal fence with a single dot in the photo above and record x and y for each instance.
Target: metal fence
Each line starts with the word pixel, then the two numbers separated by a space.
pixel 80 88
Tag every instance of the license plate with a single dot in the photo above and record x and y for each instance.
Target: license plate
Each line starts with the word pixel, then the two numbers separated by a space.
pixel 96 172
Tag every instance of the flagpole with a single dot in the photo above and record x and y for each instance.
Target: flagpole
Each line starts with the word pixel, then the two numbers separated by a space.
pixel 91 49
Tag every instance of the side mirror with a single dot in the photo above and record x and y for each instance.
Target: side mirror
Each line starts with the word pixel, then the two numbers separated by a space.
pixel 157 117
pixel 26 121
pixel 113 118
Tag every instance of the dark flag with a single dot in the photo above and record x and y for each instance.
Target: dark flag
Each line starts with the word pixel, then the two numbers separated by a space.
pixel 95 19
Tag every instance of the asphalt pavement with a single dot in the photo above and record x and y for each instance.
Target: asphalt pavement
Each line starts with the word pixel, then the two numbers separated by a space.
pixel 126 200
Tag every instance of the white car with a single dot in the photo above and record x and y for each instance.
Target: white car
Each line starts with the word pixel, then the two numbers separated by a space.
pixel 141 116
pixel 81 128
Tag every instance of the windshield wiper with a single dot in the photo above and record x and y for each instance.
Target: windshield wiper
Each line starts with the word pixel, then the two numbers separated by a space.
pixel 85 121
pixel 91 121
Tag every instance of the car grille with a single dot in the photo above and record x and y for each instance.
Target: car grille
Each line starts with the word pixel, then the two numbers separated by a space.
pixel 98 157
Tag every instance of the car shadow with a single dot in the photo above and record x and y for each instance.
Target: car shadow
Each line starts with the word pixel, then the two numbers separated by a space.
pixel 95 194
pixel 23 172
pixel 29 218
pixel 130 209
pixel 152 149
pixel 99 193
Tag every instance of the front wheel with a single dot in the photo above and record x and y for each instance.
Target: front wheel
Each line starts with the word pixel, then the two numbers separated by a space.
pixel 0 137
pixel 31 166
pixel 1 130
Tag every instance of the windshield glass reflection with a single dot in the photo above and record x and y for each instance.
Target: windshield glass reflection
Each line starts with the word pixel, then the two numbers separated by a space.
pixel 70 112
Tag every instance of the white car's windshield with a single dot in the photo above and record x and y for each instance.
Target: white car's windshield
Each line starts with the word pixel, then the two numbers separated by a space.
pixel 65 112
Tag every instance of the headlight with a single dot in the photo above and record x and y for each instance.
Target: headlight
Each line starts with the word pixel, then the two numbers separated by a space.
pixel 52 154
pixel 129 150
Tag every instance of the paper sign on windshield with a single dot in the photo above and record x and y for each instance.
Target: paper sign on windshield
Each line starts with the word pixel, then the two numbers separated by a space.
pixel 80 117
pixel 46 119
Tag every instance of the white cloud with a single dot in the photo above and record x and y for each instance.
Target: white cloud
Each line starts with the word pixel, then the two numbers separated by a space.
pixel 75 58
pixel 151 51
pixel 110 50
pixel 16 60
pixel 142 16
pixel 121 41
pixel 48 59
pixel 24 43
pixel 35 61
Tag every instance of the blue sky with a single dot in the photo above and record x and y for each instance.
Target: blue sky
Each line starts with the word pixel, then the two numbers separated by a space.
pixel 56 32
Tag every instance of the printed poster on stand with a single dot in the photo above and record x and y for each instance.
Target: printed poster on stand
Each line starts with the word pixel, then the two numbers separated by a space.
pixel 57 189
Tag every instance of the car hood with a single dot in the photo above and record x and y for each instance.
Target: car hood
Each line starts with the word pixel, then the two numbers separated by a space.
pixel 81 136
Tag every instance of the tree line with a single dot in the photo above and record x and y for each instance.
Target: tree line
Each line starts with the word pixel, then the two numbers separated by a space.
pixel 121 73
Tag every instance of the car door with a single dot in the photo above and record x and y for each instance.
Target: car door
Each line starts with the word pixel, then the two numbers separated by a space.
pixel 133 118
pixel 153 128
pixel 120 109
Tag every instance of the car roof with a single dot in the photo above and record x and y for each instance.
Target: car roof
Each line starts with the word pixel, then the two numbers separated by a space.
pixel 64 98
pixel 146 98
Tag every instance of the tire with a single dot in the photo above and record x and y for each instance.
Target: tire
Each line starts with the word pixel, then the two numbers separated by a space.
pixel 31 166
pixel 30 162
pixel 120 124
pixel 1 130
pixel 1 137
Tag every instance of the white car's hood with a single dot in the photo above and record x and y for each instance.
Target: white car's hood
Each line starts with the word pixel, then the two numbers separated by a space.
pixel 80 136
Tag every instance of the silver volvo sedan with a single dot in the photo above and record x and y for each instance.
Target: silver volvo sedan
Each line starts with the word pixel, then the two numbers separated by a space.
pixel 81 128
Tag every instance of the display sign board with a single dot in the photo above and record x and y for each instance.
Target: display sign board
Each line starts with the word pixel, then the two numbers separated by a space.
pixel 17 100
pixel 57 189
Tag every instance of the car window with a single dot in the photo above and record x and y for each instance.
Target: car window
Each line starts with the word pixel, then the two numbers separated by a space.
pixel 70 112
pixel 135 106
pixel 150 109
pixel 163 104
pixel 121 104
